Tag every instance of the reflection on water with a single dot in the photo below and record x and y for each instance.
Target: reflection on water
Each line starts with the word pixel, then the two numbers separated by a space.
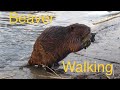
pixel 16 41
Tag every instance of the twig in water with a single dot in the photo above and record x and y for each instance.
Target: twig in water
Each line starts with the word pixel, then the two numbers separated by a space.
pixel 97 58
pixel 51 70
pixel 107 19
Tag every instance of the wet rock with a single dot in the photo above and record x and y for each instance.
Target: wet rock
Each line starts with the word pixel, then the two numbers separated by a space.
pixel 92 76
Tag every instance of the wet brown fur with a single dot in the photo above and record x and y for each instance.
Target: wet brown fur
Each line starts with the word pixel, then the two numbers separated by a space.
pixel 56 42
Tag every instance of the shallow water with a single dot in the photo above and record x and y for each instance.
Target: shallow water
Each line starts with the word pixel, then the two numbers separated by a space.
pixel 16 41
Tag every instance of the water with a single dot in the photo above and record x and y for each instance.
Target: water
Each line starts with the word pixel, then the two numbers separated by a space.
pixel 16 41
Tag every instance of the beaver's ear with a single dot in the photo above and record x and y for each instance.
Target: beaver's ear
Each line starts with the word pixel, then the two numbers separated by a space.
pixel 72 28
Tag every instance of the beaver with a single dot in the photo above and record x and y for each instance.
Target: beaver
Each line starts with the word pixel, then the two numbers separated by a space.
pixel 56 42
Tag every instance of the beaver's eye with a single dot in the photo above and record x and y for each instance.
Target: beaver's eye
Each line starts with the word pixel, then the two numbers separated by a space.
pixel 72 27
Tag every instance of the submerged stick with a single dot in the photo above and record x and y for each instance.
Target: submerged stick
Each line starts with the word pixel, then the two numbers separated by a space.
pixel 97 58
pixel 58 76
pixel 107 19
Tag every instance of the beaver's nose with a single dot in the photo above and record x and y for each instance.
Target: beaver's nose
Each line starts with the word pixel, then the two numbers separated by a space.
pixel 93 37
pixel 87 44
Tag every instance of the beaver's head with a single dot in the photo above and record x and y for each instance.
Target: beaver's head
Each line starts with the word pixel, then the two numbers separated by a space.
pixel 80 36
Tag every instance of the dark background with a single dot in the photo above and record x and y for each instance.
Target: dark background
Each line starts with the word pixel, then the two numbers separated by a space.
pixel 62 5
